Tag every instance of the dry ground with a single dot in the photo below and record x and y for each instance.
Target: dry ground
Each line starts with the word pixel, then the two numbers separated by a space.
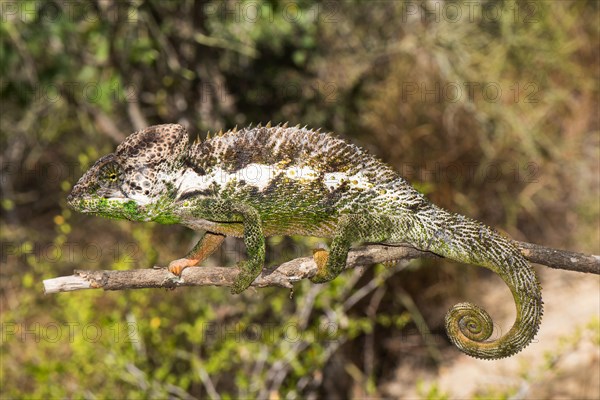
pixel 563 362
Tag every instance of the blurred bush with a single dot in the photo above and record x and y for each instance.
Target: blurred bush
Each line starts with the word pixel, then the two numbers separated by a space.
pixel 491 108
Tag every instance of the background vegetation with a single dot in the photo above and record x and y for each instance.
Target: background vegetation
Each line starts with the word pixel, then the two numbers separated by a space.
pixel 489 107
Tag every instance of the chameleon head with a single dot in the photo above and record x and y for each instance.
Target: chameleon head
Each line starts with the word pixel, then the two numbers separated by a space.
pixel 136 181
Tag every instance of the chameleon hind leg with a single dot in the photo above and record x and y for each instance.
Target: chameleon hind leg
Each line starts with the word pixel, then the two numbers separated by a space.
pixel 204 248
pixel 352 228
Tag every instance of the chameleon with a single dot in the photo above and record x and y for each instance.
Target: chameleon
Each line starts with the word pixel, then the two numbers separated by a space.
pixel 281 180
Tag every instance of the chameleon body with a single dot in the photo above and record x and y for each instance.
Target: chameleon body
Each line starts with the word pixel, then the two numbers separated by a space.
pixel 282 180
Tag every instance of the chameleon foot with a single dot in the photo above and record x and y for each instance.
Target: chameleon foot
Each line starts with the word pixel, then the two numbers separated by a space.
pixel 243 280
pixel 204 248
pixel 176 267
pixel 320 256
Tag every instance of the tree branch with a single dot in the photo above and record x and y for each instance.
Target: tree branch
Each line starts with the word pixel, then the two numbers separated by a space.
pixel 292 271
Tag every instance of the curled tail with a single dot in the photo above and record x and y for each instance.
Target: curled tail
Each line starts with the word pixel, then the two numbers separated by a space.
pixel 465 240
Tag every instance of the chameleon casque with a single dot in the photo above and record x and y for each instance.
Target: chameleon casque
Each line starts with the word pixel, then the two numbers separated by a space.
pixel 280 180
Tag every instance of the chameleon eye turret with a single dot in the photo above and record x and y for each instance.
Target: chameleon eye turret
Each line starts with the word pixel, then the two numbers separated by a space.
pixel 280 180
pixel 110 174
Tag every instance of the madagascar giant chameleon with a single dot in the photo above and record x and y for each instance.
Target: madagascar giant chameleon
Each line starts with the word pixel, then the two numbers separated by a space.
pixel 280 180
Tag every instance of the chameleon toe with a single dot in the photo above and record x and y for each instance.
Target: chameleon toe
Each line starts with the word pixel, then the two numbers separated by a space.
pixel 176 267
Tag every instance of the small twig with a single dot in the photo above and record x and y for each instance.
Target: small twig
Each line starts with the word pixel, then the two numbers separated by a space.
pixel 292 271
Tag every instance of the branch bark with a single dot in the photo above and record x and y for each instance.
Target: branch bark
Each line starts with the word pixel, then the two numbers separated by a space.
pixel 292 271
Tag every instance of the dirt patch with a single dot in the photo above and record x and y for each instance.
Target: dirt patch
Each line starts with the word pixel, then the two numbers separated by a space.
pixel 562 362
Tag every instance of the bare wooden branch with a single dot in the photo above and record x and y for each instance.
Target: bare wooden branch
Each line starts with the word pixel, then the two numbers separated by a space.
pixel 292 271
pixel 561 259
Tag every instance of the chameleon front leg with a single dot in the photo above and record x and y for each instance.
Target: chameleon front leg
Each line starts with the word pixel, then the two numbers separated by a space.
pixel 236 219
pixel 254 239
pixel 204 248
pixel 351 228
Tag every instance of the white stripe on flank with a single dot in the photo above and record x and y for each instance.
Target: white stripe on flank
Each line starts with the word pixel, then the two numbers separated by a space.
pixel 257 175
pixel 260 175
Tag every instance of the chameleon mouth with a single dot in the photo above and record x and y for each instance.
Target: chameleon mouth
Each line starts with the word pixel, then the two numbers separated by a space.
pixel 81 201
pixel 74 199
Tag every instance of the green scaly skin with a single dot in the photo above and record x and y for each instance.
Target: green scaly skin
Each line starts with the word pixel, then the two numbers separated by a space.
pixel 280 180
